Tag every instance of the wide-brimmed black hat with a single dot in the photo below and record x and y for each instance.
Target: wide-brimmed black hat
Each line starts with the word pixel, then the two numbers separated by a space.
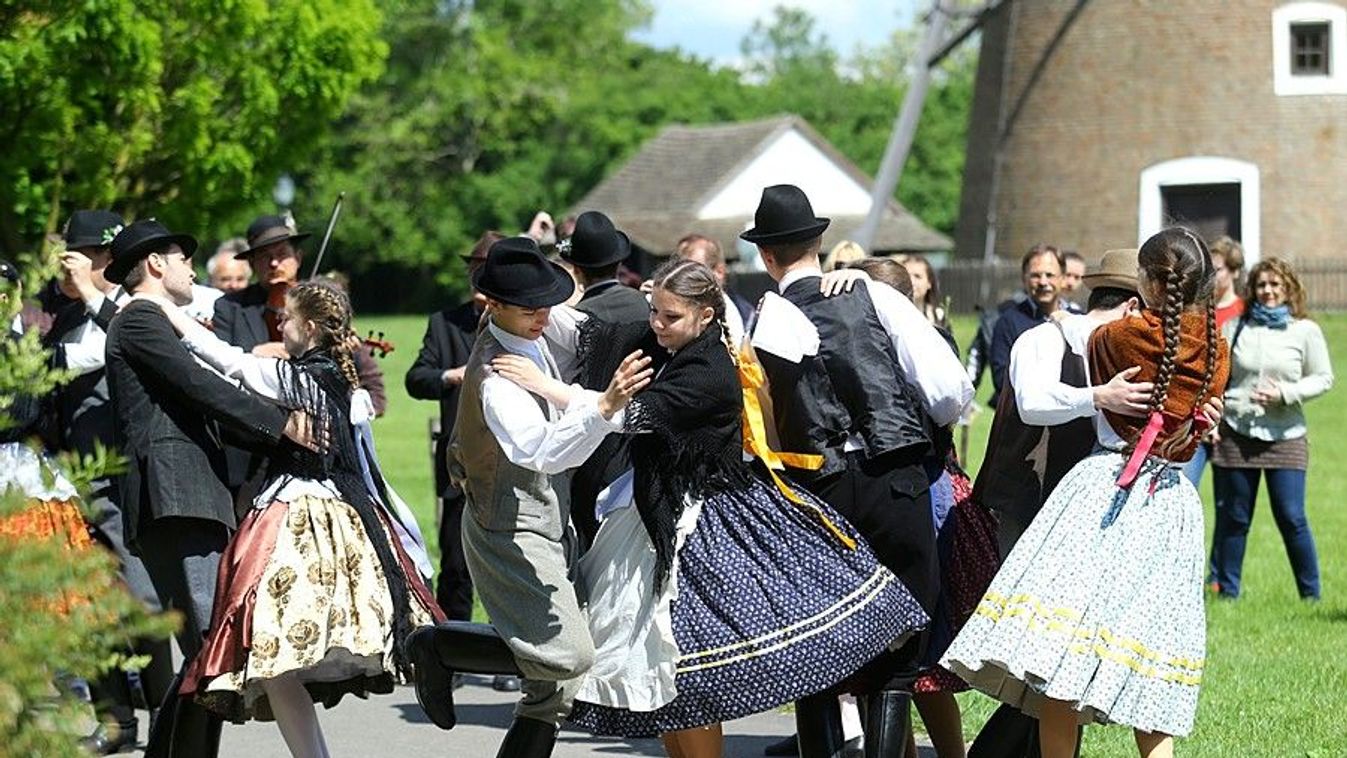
pixel 92 229
pixel 139 240
pixel 784 215
pixel 596 242
pixel 516 273
pixel 268 230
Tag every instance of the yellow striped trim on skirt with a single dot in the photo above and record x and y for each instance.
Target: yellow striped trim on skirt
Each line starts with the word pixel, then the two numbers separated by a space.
pixel 1098 641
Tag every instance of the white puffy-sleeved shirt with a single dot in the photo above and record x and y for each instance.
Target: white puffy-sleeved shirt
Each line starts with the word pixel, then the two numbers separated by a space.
pixel 547 442
pixel 923 354
pixel 1035 372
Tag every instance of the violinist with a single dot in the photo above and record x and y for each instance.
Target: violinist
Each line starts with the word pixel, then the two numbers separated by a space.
pixel 250 318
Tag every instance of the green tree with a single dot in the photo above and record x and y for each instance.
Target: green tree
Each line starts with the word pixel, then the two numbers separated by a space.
pixel 61 611
pixel 853 103
pixel 183 109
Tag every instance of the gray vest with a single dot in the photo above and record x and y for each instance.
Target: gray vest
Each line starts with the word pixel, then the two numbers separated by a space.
pixel 501 496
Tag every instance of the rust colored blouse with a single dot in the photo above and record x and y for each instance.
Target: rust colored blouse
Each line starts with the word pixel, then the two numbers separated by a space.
pixel 1139 341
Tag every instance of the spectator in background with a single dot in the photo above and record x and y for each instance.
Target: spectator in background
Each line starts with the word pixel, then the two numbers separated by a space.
pixel 842 255
pixel 1228 258
pixel 706 251
pixel 1073 270
pixel 926 290
pixel 225 270
pixel 1041 270
pixel 1278 360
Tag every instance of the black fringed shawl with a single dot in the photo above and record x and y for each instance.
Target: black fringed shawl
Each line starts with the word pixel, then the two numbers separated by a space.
pixel 327 399
pixel 683 432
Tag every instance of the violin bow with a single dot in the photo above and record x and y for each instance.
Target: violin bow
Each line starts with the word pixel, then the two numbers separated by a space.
pixel 327 235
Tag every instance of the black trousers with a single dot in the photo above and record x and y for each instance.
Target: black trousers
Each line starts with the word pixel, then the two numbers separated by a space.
pixel 453 587
pixel 182 556
pixel 888 500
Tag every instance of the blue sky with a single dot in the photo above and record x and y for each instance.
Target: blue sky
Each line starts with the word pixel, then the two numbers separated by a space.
pixel 713 28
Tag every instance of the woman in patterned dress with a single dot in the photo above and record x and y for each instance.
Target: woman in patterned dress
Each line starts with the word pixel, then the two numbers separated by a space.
pixel 1097 613
pixel 316 594
pixel 713 591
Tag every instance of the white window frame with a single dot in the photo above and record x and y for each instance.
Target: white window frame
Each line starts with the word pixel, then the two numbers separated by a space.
pixel 1283 18
pixel 1203 169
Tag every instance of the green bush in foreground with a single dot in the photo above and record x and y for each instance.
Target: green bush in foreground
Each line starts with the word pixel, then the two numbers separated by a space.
pixel 62 612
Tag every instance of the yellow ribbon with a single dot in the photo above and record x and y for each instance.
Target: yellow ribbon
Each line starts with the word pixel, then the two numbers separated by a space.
pixel 751 380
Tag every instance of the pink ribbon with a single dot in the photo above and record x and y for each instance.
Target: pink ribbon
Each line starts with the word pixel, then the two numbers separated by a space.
pixel 1143 449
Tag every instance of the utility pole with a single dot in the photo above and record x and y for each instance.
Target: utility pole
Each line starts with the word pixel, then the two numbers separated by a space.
pixel 935 45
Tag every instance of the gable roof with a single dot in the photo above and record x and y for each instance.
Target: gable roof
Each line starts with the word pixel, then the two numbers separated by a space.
pixel 656 195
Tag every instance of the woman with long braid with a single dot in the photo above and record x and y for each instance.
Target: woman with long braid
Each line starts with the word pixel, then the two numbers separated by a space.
pixel 1097 613
pixel 315 595
pixel 713 589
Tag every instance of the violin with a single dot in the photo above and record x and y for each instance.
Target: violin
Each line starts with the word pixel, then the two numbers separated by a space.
pixel 275 306
pixel 378 346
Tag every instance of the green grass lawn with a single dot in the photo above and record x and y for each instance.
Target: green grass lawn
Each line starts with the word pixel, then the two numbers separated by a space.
pixel 1276 678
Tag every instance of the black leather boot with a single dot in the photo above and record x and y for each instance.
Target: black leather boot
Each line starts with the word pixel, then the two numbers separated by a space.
pixel 438 652
pixel 886 723
pixel 818 722
pixel 528 738
pixel 434 683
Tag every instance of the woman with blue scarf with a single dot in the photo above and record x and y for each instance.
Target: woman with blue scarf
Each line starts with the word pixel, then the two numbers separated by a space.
pixel 1279 360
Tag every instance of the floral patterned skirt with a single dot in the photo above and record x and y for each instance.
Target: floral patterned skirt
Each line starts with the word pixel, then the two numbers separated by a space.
pixel 301 592
pixel 1099 604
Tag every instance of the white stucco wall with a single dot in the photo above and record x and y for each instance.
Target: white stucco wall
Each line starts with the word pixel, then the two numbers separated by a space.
pixel 791 159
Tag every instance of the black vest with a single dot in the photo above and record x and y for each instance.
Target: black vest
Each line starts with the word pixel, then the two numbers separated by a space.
pixel 854 385
pixel 1024 463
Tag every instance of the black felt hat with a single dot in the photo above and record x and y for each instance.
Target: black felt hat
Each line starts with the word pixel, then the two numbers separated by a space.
pixel 516 273
pixel 784 215
pixel 269 230
pixel 92 229
pixel 596 242
pixel 137 241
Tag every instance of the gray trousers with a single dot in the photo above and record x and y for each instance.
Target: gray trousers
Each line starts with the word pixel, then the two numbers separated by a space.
pixel 523 581
pixel 182 556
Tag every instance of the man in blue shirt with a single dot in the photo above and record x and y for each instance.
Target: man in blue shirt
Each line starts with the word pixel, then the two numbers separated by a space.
pixel 1041 269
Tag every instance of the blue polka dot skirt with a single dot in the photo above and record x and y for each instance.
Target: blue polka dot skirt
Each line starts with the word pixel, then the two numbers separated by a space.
pixel 771 605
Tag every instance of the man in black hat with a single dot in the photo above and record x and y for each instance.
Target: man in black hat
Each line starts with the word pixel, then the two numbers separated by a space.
pixel 595 249
pixel 249 318
pixel 510 453
pixel 82 419
pixel 437 374
pixel 178 512
pixel 846 384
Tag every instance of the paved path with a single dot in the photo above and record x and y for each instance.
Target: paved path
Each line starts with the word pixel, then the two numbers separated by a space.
pixel 393 725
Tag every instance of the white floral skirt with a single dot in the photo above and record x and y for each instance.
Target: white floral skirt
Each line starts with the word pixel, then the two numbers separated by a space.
pixel 301 591
pixel 1099 604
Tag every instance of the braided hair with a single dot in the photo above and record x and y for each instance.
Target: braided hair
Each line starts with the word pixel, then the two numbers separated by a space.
pixel 696 283
pixel 1178 273
pixel 330 311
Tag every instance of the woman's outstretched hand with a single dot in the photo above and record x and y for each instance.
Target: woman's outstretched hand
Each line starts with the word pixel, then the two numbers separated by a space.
pixel 527 374
pixel 841 280
pixel 631 377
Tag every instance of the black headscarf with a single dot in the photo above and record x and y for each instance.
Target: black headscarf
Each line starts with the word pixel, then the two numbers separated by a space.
pixel 683 433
